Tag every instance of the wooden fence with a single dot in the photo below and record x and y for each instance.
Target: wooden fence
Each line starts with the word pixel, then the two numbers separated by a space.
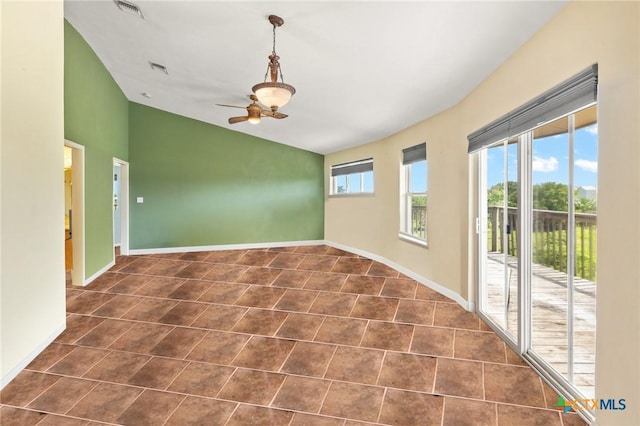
pixel 418 220
pixel 549 239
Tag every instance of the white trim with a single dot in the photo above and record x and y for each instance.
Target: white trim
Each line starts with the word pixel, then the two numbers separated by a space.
pixel 404 203
pixel 27 360
pixel 100 272
pixel 124 208
pixel 413 239
pixel 78 207
pixel 73 145
pixel 224 247
pixel 471 306
pixel 571 253
pixel 352 194
pixel 525 205
pixel 422 280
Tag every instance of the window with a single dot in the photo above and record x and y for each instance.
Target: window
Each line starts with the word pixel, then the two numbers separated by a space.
pixel 413 203
pixel 352 178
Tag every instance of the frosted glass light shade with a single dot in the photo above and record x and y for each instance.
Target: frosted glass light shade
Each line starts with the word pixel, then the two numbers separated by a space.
pixel 254 120
pixel 273 94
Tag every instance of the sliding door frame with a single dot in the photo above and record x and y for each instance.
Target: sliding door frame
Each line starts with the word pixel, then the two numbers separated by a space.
pixel 523 342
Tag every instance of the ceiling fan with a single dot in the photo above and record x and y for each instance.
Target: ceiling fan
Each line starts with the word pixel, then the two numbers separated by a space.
pixel 254 112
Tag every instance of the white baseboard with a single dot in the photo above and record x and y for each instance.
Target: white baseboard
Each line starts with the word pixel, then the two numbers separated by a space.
pixel 224 247
pixel 27 360
pixel 100 272
pixel 419 278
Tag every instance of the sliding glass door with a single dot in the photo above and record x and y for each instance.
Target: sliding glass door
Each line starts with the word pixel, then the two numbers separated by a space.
pixel 499 241
pixel 550 247
pixel 538 230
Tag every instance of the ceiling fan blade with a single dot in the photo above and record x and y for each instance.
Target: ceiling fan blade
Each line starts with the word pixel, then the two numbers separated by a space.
pixel 277 115
pixel 231 106
pixel 234 120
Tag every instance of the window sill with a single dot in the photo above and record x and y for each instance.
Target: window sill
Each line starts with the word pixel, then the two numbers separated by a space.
pixel 355 194
pixel 412 239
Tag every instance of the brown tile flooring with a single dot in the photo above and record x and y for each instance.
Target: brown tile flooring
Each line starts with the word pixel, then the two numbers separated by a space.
pixel 306 335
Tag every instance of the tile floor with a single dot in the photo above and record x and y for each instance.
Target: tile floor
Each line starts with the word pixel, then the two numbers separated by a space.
pixel 306 335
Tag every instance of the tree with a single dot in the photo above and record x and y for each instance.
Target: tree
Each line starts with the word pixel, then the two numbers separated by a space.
pixel 495 195
pixel 550 196
pixel 585 205
pixel 419 200
pixel 546 196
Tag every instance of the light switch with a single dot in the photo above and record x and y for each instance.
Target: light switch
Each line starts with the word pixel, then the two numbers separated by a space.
pixel 139 200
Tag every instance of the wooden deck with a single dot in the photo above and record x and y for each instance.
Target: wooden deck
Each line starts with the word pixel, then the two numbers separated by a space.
pixel 549 331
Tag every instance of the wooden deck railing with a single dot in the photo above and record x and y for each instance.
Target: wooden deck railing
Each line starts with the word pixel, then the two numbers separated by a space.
pixel 418 220
pixel 549 239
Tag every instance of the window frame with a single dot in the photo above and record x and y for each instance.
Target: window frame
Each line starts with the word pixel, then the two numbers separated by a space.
pixel 406 195
pixel 360 168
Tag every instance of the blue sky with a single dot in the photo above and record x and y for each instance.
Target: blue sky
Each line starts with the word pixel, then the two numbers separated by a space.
pixel 551 159
pixel 419 177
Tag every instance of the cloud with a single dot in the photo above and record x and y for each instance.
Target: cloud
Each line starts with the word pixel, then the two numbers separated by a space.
pixel 592 129
pixel 545 165
pixel 588 165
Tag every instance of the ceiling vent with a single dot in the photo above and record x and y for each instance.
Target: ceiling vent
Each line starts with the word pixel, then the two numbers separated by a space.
pixel 158 67
pixel 126 6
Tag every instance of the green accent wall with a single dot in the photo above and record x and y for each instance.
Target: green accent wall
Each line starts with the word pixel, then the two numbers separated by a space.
pixel 202 184
pixel 206 185
pixel 96 116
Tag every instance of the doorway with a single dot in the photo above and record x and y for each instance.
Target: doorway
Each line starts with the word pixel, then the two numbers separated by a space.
pixel 120 207
pixel 537 250
pixel 74 212
pixel 68 232
pixel 117 208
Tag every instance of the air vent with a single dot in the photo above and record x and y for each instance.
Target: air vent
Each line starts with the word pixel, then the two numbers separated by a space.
pixel 126 6
pixel 158 67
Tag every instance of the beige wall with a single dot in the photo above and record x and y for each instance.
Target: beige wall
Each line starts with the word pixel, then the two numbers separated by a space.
pixel 372 223
pixel 32 305
pixel 581 34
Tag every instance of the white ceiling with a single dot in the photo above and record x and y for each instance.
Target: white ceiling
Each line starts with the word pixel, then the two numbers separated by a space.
pixel 362 70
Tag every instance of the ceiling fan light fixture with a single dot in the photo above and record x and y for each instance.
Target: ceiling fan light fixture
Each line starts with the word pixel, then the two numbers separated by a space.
pixel 274 94
pixel 254 112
